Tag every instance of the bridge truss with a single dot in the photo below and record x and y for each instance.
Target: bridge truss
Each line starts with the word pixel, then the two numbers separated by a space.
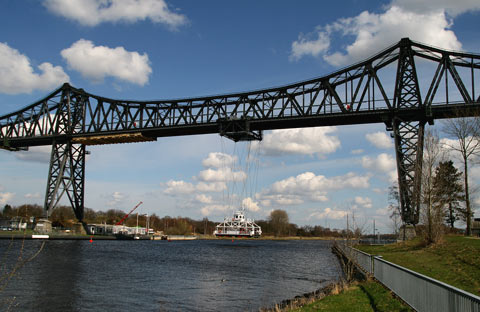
pixel 385 88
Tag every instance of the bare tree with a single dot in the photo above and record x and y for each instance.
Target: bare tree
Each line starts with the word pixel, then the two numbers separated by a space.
pixel 466 132
pixel 279 222
pixel 432 214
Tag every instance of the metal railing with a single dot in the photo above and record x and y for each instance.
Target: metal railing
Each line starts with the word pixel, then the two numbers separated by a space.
pixel 422 292
pixel 419 291
pixel 362 259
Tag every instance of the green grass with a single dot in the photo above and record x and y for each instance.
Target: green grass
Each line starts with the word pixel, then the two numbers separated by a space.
pixel 456 261
pixel 362 297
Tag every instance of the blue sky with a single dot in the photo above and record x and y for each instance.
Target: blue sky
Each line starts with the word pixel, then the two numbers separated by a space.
pixel 153 49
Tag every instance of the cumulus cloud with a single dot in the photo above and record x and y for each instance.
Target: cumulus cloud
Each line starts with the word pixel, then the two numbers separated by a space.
pixel 308 186
pixel 383 162
pixel 219 160
pixel 310 46
pixel 424 21
pixel 94 12
pixel 328 213
pixel 6 197
pixel 453 8
pixel 209 209
pixel 362 202
pixel 379 140
pixel 204 199
pixel 18 76
pixel 303 141
pixel 221 175
pixel 97 62
pixel 179 187
pixel 211 187
pixel 249 204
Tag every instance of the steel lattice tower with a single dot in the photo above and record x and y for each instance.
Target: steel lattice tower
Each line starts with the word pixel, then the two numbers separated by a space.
pixel 408 136
pixel 67 161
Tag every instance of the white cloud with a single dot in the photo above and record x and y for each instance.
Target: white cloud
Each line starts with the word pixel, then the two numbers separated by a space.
pixel 268 199
pixel 211 187
pixel 219 160
pixel 94 12
pixel 362 202
pixel 98 62
pixel 384 163
pixel 221 175
pixel 421 21
pixel 453 8
pixel 17 74
pixel 209 209
pixel 328 213
pixel 179 187
pixel 6 197
pixel 306 46
pixel 204 199
pixel 304 141
pixel 308 186
pixel 249 204
pixel 357 151
pixel 380 140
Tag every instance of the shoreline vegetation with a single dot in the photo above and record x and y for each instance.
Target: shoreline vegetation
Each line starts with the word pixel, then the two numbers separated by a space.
pixel 28 233
pixel 455 261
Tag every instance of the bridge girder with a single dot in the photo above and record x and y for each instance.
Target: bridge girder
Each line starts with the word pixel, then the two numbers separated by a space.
pixel 357 94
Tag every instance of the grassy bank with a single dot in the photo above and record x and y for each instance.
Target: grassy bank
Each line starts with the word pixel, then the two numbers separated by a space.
pixel 455 261
pixel 362 296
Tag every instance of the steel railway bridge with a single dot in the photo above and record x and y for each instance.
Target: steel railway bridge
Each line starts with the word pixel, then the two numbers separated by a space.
pixel 386 88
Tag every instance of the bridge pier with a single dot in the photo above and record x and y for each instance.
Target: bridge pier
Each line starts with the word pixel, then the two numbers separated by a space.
pixel 408 136
pixel 66 175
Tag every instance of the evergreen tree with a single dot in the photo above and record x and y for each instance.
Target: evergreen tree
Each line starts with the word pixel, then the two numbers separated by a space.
pixel 7 211
pixel 449 191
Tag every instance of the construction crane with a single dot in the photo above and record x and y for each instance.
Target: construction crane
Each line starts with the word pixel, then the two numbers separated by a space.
pixel 126 216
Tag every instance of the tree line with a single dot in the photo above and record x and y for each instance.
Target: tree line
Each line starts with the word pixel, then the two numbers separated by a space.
pixel 277 224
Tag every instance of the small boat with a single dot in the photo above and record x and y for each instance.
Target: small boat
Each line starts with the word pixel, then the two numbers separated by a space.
pixel 238 226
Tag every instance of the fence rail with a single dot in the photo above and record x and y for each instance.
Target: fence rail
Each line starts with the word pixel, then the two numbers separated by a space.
pixel 421 292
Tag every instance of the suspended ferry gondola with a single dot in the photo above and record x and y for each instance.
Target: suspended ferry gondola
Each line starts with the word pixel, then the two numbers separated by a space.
pixel 238 226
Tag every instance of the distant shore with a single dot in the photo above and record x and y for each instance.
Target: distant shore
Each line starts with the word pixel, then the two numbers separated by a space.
pixel 62 236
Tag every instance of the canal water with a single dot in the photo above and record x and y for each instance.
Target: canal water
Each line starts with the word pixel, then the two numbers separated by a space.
pixel 202 275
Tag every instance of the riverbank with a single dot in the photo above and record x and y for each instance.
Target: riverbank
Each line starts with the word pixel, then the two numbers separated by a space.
pixel 362 296
pixel 455 261
pixel 71 236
